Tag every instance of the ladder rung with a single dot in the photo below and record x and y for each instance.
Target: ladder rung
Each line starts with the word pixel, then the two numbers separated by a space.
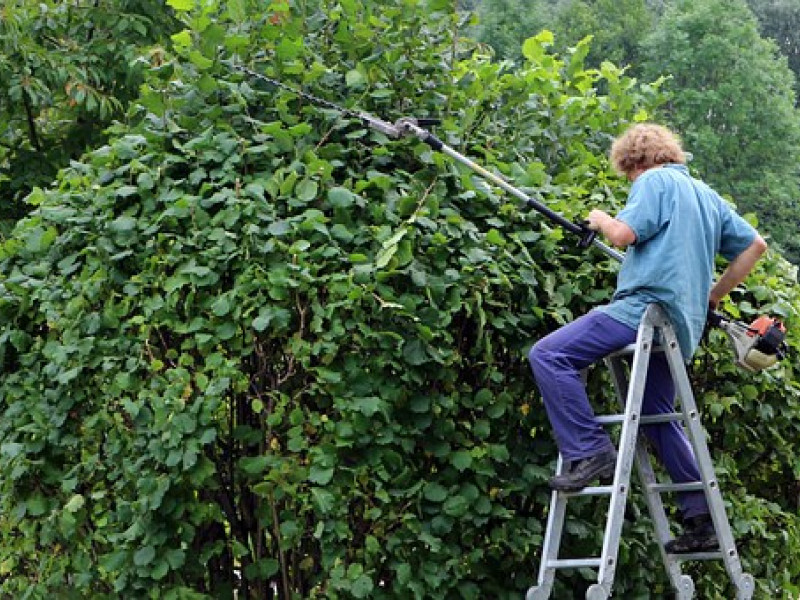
pixel 665 418
pixel 597 490
pixel 573 563
pixel 692 486
pixel 630 349
pixel 644 419
pixel 697 556
pixel 610 419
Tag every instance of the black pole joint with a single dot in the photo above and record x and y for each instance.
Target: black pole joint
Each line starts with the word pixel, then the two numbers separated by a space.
pixel 432 141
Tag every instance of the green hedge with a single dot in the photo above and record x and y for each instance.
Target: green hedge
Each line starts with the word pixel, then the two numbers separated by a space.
pixel 252 345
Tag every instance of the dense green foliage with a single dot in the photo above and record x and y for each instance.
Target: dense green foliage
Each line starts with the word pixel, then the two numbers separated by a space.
pixel 779 20
pixel 66 70
pixel 617 26
pixel 504 25
pixel 252 345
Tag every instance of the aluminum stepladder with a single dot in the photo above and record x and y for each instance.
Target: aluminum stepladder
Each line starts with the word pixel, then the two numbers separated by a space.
pixel 654 326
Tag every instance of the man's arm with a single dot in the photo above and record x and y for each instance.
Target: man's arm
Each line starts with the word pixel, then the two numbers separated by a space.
pixel 617 232
pixel 737 270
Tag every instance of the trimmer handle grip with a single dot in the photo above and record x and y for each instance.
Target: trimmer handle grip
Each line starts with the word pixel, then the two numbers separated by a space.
pixel 713 318
pixel 587 235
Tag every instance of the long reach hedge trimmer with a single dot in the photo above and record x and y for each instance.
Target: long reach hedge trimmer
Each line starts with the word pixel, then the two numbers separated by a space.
pixel 757 346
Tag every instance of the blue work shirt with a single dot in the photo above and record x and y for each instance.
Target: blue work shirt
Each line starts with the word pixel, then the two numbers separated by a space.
pixel 681 224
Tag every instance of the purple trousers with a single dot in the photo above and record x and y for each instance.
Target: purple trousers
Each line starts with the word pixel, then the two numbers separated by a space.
pixel 557 360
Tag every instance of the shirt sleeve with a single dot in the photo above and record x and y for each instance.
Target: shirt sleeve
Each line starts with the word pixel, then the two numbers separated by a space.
pixel 645 212
pixel 737 234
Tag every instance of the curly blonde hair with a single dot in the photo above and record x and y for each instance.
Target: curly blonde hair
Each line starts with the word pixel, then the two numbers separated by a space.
pixel 646 145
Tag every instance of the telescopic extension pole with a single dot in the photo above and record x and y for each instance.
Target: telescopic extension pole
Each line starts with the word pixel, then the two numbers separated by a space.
pixel 410 126
pixel 588 237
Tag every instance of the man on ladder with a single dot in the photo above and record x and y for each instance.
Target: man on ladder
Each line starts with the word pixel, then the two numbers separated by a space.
pixel 673 227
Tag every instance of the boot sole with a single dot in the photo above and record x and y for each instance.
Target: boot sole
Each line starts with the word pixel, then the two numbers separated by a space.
pixel 605 477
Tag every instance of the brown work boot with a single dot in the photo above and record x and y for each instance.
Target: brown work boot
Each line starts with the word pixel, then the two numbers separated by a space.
pixel 698 536
pixel 584 471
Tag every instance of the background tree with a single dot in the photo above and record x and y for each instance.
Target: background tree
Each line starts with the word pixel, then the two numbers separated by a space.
pixel 616 26
pixel 779 20
pixel 732 99
pixel 67 69
pixel 506 24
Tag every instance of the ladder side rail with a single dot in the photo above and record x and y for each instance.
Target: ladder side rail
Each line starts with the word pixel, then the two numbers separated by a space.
pixel 627 445
pixel 619 378
pixel 552 542
pixel 696 433
pixel 683 585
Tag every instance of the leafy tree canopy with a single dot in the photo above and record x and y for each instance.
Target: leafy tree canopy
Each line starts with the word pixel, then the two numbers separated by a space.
pixel 505 24
pixel 624 24
pixel 66 69
pixel 779 20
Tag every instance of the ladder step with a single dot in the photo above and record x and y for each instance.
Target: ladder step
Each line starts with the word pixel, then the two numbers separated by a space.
pixel 573 563
pixel 644 419
pixel 691 486
pixel 597 490
pixel 630 349
pixel 697 556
